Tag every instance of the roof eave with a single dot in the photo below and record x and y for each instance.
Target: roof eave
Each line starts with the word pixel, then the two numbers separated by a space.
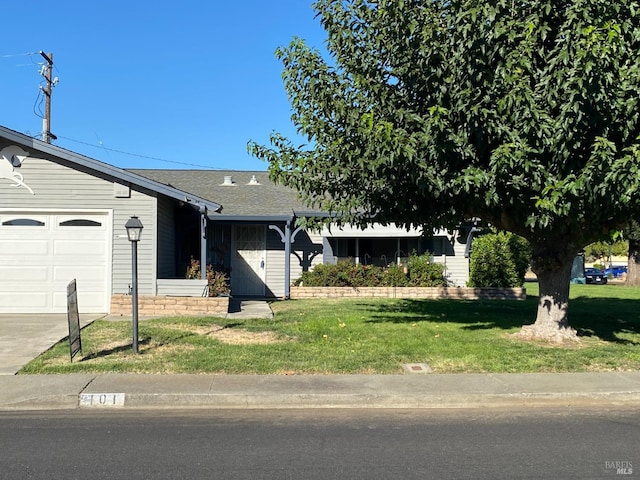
pixel 110 170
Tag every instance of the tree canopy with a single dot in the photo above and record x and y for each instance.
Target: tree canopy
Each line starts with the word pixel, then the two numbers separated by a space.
pixel 426 112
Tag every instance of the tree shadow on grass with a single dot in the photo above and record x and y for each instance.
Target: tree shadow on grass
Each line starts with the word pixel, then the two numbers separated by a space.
pixel 474 315
pixel 606 319
pixel 603 318
pixel 146 342
pixel 112 351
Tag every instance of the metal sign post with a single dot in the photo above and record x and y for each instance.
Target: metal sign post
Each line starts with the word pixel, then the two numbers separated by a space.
pixel 75 342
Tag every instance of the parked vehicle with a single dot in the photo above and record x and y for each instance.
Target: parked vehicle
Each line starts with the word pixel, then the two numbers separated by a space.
pixel 616 271
pixel 595 276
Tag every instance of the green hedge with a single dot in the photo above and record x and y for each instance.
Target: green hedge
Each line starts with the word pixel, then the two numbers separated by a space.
pixel 499 260
pixel 419 271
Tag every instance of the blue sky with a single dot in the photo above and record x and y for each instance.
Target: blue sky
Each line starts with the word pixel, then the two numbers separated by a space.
pixel 190 82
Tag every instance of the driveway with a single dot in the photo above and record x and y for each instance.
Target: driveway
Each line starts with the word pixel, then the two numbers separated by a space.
pixel 25 336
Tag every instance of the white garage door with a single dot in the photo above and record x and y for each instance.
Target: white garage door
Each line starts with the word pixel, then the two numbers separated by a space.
pixel 40 253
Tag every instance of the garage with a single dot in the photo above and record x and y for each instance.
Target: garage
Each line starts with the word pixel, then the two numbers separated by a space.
pixel 41 252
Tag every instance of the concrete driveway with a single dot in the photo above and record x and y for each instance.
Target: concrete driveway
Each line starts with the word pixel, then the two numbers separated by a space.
pixel 25 336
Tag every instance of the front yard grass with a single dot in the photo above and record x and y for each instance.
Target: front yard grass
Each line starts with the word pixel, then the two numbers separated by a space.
pixel 348 336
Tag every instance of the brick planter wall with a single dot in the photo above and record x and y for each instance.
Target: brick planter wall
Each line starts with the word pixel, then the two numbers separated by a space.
pixel 463 293
pixel 150 306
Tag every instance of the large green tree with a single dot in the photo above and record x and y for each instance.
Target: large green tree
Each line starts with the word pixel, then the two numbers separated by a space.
pixel 426 112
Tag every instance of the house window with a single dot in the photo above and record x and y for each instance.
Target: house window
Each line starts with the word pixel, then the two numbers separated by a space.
pixel 80 223
pixel 23 222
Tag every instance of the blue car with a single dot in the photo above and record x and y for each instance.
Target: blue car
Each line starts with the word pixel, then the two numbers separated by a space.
pixel 595 276
pixel 616 271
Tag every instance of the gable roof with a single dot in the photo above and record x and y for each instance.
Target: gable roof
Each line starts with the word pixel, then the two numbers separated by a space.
pixel 245 195
pixel 75 160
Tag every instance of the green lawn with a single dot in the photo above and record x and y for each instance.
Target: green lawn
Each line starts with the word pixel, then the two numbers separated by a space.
pixel 368 336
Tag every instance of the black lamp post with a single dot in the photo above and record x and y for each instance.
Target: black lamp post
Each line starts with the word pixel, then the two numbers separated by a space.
pixel 134 230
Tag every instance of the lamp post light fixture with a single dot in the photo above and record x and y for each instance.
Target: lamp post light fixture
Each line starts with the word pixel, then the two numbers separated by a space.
pixel 134 230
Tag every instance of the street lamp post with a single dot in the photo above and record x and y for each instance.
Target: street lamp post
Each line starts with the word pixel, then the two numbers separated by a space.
pixel 134 230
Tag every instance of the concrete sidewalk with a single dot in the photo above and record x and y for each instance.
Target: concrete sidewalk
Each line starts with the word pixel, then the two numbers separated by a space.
pixel 89 391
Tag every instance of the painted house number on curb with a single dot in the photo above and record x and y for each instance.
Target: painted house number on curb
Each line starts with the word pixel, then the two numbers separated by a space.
pixel 102 399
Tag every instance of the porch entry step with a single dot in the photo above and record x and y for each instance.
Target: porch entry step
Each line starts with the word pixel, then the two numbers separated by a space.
pixel 239 308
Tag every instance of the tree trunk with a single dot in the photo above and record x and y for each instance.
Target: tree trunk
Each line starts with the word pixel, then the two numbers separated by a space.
pixel 633 262
pixel 554 277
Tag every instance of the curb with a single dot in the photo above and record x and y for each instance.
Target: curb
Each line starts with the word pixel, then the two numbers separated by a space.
pixel 131 391
pixel 362 401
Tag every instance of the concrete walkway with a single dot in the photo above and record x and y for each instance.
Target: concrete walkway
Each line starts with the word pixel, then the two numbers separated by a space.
pixel 25 336
pixel 245 308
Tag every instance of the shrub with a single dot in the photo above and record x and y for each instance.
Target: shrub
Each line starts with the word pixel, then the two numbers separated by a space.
pixel 341 274
pixel 498 260
pixel 395 276
pixel 419 272
pixel 425 273
pixel 218 279
pixel 521 254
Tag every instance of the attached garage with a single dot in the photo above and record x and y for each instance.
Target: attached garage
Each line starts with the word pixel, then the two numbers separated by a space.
pixel 41 252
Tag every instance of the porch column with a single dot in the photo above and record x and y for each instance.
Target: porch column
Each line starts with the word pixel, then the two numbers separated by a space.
pixel 357 251
pixel 203 243
pixel 287 238
pixel 287 259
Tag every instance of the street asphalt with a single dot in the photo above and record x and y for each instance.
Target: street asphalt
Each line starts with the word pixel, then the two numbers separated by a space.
pixel 20 341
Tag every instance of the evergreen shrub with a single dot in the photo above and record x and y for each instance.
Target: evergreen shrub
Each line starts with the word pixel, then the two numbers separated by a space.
pixel 420 271
pixel 499 260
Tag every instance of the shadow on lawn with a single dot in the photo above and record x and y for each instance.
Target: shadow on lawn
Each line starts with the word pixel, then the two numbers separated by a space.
pixel 145 341
pixel 111 351
pixel 603 318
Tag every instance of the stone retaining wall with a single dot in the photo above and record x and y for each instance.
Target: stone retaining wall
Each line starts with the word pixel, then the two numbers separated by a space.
pixel 463 293
pixel 153 306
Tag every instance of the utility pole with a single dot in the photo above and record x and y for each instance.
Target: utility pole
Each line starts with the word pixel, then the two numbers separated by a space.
pixel 47 73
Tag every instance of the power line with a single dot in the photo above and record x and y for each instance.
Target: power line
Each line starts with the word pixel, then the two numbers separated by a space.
pixel 18 55
pixel 147 157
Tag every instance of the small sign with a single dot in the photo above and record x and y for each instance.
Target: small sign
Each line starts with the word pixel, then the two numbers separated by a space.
pixel 102 399
pixel 75 343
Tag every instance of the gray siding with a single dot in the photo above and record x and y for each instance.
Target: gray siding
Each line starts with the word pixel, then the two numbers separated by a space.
pixel 57 187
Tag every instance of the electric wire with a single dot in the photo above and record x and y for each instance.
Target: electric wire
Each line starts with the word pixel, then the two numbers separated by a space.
pixel 147 157
pixel 37 105
pixel 37 110
pixel 17 55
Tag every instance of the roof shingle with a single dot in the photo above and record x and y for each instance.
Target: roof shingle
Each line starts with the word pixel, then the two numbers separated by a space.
pixel 242 198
